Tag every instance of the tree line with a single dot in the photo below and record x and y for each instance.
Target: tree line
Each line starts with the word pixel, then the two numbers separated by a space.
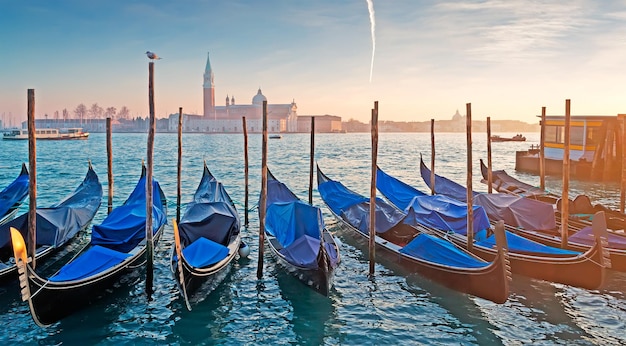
pixel 94 112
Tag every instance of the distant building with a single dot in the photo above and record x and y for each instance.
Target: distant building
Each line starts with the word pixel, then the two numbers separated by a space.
pixel 228 118
pixel 323 123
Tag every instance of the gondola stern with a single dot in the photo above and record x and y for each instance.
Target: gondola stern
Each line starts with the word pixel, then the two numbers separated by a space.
pixel 503 257
pixel 599 228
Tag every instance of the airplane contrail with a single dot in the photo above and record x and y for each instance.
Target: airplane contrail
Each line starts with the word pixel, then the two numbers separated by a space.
pixel 370 8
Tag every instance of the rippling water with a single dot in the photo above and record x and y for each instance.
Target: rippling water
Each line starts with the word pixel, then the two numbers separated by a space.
pixel 395 306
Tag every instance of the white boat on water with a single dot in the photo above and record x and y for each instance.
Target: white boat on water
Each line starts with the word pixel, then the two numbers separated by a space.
pixel 48 134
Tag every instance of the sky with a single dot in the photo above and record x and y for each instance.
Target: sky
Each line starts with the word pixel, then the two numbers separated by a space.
pixel 421 60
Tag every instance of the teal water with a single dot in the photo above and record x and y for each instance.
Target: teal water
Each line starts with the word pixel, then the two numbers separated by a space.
pixel 395 306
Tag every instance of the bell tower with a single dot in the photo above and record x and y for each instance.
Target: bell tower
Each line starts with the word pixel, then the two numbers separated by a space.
pixel 209 90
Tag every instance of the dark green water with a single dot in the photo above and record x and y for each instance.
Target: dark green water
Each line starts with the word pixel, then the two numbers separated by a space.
pixel 394 307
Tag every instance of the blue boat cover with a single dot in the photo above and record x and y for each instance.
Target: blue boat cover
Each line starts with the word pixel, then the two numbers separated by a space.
pixel 303 252
pixel 124 228
pixel 438 211
pixel 14 194
pixel 355 208
pixel 297 226
pixel 444 186
pixel 95 260
pixel 518 244
pixel 397 192
pixel 60 222
pixel 437 250
pixel 204 252
pixel 290 221
pixel 444 213
pixel 423 246
pixel 209 223
pixel 518 211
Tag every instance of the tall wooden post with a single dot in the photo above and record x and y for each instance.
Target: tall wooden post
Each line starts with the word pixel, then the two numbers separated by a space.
pixel 149 236
pixel 372 240
pixel 263 201
pixel 622 195
pixel 32 177
pixel 470 202
pixel 566 168
pixel 489 167
pixel 432 156
pixel 542 152
pixel 312 160
pixel 180 163
pixel 245 169
pixel 110 165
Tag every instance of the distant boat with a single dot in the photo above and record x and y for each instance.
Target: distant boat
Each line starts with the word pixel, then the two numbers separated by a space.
pixel 48 134
pixel 517 138
pixel 276 136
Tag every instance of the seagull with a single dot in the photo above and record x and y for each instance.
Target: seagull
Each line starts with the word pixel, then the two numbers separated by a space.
pixel 152 55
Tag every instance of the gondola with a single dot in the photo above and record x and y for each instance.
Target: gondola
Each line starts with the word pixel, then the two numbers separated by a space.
pixel 56 225
pixel 207 239
pixel 297 237
pixel 529 258
pixel 580 208
pixel 549 233
pixel 427 254
pixel 13 195
pixel 117 246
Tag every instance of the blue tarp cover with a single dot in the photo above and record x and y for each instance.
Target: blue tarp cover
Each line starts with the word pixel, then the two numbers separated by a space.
pixel 520 244
pixel 297 226
pixel 13 195
pixel 438 211
pixel 397 192
pixel 204 252
pixel 303 251
pixel 444 213
pixel 354 208
pixel 290 221
pixel 215 221
pixel 437 250
pixel 57 224
pixel 444 186
pixel 124 228
pixel 209 223
pixel 95 260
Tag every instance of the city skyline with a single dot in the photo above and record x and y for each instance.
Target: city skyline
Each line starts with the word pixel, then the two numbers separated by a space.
pixel 425 60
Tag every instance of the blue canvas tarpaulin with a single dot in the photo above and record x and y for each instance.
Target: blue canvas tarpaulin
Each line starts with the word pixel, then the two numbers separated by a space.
pixel 60 222
pixel 13 195
pixel 437 250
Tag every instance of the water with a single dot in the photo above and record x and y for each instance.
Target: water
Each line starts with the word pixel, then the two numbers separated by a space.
pixel 395 306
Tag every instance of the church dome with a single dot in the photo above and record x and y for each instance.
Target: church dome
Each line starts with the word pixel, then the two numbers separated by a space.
pixel 258 98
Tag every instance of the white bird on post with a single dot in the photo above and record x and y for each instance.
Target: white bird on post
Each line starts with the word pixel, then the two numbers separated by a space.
pixel 152 55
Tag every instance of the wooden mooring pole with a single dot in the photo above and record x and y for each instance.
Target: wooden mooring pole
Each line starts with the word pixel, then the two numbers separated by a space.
pixel 180 163
pixel 622 195
pixel 566 168
pixel 542 153
pixel 110 165
pixel 263 201
pixel 32 177
pixel 372 230
pixel 149 168
pixel 470 202
pixel 489 167
pixel 432 156
pixel 312 160
pixel 245 169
